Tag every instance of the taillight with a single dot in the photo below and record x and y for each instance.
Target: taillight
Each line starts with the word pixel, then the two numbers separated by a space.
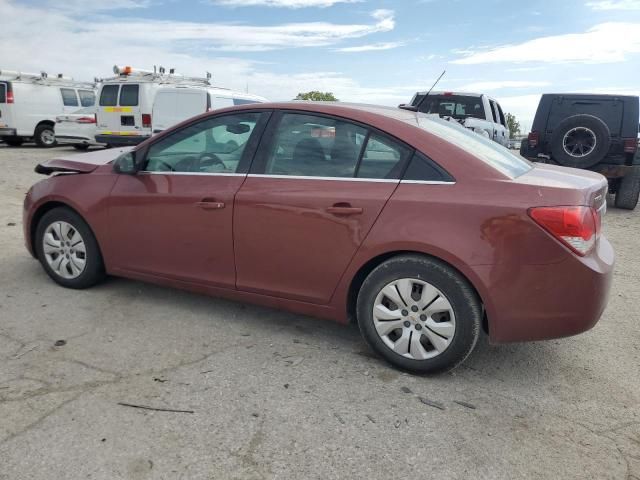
pixel 146 120
pixel 576 227
pixel 9 96
pixel 630 145
pixel 533 139
pixel 86 120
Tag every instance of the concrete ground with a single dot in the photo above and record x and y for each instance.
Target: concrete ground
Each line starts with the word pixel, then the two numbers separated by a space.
pixel 268 394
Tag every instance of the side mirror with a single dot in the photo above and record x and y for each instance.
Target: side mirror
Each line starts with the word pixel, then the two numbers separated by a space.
pixel 126 164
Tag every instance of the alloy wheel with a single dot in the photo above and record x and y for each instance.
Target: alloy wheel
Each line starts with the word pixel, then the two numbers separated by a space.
pixel 579 142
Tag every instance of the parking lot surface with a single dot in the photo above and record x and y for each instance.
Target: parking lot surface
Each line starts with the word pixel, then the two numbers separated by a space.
pixel 264 394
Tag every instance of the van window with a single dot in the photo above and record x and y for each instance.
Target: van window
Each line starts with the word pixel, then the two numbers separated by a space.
pixel 3 92
pixel 243 101
pixel 129 95
pixel 69 97
pixel 109 95
pixel 87 98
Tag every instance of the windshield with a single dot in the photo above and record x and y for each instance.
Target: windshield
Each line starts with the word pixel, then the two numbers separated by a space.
pixel 456 106
pixel 483 148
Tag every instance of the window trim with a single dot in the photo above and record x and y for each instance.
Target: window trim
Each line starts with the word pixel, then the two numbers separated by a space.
pixel 247 155
pixel 259 164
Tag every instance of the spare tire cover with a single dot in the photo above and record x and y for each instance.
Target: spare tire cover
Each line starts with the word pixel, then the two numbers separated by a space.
pixel 580 141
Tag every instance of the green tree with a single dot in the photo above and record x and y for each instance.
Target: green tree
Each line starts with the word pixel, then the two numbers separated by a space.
pixel 317 96
pixel 513 125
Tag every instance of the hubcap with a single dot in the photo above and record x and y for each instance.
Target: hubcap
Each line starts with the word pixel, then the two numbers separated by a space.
pixel 579 142
pixel 48 137
pixel 414 319
pixel 64 250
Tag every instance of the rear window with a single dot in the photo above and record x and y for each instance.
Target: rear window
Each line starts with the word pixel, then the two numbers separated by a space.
pixel 109 95
pixel 456 106
pixel 3 92
pixel 87 98
pixel 69 97
pixel 486 150
pixel 129 95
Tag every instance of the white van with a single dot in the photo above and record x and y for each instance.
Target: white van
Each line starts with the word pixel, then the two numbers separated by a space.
pixel 125 104
pixel 30 103
pixel 175 104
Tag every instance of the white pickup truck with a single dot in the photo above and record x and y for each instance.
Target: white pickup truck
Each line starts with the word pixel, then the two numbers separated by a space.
pixel 474 111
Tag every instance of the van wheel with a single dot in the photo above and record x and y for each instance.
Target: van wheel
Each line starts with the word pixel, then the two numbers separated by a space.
pixel 419 314
pixel 628 190
pixel 68 250
pixel 580 141
pixel 81 146
pixel 44 136
pixel 14 142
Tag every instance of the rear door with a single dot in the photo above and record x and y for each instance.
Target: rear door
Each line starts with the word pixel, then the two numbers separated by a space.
pixel 314 192
pixel 609 110
pixel 119 110
pixel 5 107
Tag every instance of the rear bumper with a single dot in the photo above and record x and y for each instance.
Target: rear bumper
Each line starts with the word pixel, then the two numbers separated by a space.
pixel 8 132
pixel 121 140
pixel 548 301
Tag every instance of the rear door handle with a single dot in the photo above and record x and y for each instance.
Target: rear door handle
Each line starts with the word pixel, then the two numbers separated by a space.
pixel 210 204
pixel 344 209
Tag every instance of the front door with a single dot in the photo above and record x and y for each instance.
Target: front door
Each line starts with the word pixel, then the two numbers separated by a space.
pixel 314 193
pixel 174 218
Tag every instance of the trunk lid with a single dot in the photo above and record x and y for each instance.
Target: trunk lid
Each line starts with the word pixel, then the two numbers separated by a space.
pixel 83 163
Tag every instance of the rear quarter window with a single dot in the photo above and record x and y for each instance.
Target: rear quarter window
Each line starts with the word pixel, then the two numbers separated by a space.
pixel 87 98
pixel 109 95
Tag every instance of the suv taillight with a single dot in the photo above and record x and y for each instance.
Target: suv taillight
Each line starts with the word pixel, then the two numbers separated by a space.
pixel 533 139
pixel 146 120
pixel 630 145
pixel 576 227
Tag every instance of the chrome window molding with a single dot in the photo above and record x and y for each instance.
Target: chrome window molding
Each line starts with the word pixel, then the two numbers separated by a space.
pixel 340 179
pixel 220 174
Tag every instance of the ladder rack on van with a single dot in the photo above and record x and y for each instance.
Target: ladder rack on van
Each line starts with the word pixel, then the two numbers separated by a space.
pixel 156 76
pixel 43 78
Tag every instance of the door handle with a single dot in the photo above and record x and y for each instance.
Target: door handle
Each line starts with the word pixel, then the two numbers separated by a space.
pixel 210 204
pixel 344 209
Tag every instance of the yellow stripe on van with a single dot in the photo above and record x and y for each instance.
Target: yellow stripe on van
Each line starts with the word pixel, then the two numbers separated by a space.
pixel 118 133
pixel 118 109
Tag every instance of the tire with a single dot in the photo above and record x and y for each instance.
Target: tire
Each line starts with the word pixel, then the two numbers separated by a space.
pixel 92 270
pixel 628 190
pixel 44 136
pixel 81 146
pixel 464 313
pixel 593 140
pixel 14 142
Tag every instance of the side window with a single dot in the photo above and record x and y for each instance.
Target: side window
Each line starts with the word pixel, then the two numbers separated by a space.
pixel 3 92
pixel 69 97
pixel 494 111
pixel 503 120
pixel 87 98
pixel 109 96
pixel 129 95
pixel 214 145
pixel 315 146
pixel 424 169
pixel 383 158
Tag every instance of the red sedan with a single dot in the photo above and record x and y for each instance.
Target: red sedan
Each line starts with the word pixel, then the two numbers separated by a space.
pixel 420 230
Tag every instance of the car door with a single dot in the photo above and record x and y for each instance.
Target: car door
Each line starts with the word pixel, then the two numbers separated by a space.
pixel 314 191
pixel 174 218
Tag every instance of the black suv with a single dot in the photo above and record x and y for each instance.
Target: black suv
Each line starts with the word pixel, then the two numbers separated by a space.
pixel 594 132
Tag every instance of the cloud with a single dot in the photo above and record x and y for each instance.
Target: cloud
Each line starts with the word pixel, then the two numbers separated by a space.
pixel 281 3
pixel 615 5
pixel 501 84
pixel 605 43
pixel 371 47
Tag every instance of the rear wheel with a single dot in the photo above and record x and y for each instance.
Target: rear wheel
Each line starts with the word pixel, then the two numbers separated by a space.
pixel 81 146
pixel 68 250
pixel 628 190
pixel 419 314
pixel 14 142
pixel 44 136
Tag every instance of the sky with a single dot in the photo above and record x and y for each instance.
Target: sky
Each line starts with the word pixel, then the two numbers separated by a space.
pixel 372 51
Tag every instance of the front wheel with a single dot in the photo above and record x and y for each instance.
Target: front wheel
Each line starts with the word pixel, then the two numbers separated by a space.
pixel 419 314
pixel 68 250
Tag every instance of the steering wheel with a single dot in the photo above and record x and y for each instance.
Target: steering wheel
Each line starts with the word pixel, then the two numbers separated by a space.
pixel 207 159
